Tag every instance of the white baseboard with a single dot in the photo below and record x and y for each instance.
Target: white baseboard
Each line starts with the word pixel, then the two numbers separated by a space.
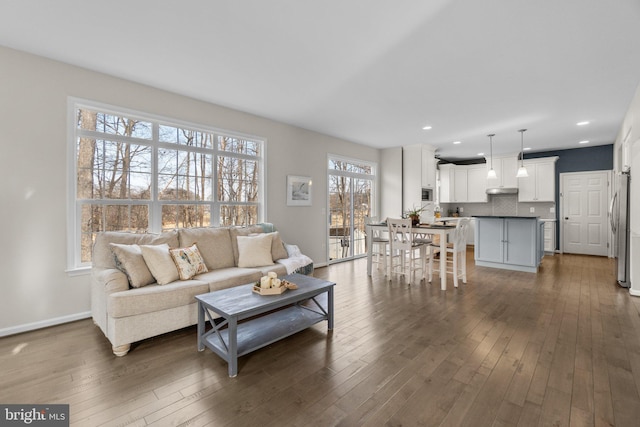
pixel 44 324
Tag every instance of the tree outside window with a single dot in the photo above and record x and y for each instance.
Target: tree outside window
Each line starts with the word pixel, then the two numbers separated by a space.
pixel 130 170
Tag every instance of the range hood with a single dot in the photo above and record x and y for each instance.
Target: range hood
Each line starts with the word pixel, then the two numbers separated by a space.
pixel 502 190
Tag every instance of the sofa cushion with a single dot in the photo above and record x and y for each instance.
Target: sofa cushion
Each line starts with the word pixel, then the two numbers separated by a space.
pixel 214 245
pixel 154 298
pixel 129 260
pixel 254 251
pixel 227 277
pixel 160 263
pixel 188 261
pixel 102 255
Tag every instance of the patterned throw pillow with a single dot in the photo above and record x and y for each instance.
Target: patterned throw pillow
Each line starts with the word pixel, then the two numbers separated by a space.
pixel 188 261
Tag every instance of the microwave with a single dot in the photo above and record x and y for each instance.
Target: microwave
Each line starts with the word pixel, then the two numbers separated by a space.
pixel 427 194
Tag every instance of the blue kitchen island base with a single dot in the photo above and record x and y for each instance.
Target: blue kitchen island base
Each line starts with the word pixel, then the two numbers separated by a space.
pixel 509 242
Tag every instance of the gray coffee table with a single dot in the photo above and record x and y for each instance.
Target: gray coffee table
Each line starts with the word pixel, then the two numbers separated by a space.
pixel 288 313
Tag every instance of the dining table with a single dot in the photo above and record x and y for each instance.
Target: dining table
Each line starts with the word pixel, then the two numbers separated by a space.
pixel 442 230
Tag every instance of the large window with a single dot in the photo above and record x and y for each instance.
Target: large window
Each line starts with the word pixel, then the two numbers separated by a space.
pixel 148 174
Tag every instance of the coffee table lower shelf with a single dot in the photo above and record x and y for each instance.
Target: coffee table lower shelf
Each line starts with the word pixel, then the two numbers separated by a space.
pixel 262 331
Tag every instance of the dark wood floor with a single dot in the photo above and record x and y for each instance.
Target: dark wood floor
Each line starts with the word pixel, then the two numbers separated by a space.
pixel 558 348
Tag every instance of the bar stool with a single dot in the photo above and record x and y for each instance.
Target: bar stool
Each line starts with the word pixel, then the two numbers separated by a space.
pixel 405 252
pixel 458 250
pixel 379 244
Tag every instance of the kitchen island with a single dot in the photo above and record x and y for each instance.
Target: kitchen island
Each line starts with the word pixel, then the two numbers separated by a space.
pixel 509 242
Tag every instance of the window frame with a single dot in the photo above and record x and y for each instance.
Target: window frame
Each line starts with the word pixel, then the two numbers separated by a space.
pixel 75 204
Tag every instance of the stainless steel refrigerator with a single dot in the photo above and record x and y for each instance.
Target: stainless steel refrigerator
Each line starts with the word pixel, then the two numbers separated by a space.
pixel 619 218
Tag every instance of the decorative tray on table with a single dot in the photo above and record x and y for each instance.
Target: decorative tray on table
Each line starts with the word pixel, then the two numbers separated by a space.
pixel 275 286
pixel 268 291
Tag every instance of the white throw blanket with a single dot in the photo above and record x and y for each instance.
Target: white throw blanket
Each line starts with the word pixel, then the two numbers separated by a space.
pixel 296 259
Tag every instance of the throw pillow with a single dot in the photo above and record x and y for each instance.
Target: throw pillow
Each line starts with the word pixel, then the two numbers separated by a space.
pixel 234 232
pixel 129 260
pixel 254 251
pixel 277 247
pixel 188 261
pixel 160 263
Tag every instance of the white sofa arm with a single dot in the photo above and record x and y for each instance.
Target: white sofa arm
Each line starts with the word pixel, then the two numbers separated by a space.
pixel 110 280
pixel 105 281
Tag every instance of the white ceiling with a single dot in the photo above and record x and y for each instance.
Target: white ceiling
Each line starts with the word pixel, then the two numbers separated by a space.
pixel 369 71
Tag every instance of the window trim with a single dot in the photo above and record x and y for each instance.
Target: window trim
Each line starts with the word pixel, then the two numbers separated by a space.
pixel 74 264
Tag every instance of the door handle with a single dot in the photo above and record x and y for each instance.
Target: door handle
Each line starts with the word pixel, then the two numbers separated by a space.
pixel 566 218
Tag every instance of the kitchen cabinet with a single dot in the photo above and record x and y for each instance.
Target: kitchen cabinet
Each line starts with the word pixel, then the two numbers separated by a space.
pixel 549 236
pixel 411 177
pixel 471 231
pixel 418 172
pixel 428 167
pixel 459 184
pixel 506 169
pixel 477 183
pixel 540 185
pixel 446 183
pixel 463 183
pixel 512 243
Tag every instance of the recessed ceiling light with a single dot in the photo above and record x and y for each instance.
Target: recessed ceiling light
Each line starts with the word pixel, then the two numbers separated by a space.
pixel 583 142
pixel 582 123
pixel 480 154
pixel 426 128
pixel 526 149
pixel 457 142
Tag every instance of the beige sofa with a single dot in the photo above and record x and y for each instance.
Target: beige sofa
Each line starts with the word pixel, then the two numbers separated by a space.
pixel 129 305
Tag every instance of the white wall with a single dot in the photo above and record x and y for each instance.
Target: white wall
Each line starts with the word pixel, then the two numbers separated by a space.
pixel 35 289
pixel 628 141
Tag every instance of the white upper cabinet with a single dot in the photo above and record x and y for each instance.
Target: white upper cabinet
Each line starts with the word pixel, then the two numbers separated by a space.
pixel 477 183
pixel 463 183
pixel 540 185
pixel 428 167
pixel 459 184
pixel 506 169
pixel 446 183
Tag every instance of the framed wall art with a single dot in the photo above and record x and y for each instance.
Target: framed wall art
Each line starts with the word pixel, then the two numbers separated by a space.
pixel 298 190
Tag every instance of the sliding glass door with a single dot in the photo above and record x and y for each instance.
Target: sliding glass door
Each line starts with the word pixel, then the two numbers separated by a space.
pixel 351 185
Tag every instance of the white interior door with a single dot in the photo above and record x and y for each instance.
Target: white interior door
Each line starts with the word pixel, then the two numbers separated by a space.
pixel 584 219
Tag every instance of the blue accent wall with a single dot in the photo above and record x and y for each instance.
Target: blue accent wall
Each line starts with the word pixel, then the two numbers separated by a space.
pixel 576 160
pixel 579 159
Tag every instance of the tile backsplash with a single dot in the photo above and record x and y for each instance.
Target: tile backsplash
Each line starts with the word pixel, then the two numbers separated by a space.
pixel 502 204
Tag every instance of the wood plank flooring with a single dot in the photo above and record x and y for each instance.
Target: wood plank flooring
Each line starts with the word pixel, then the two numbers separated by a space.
pixel 557 348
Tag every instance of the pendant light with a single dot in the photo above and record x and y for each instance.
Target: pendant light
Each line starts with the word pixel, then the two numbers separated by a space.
pixel 492 173
pixel 522 171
